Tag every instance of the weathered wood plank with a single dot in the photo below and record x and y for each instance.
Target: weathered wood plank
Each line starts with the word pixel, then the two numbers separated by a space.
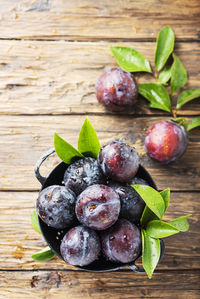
pixel 119 285
pixel 19 241
pixel 25 138
pixel 7 5
pixel 59 77
pixel 92 20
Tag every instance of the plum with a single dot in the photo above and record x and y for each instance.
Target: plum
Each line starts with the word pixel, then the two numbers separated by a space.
pixel 98 207
pixel 116 89
pixel 121 242
pixel 137 181
pixel 81 174
pixel 118 160
pixel 132 205
pixel 166 141
pixel 80 246
pixel 56 206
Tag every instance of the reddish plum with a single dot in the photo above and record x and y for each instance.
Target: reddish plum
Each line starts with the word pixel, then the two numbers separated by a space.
pixel 166 141
pixel 98 207
pixel 116 89
pixel 80 246
pixel 122 242
pixel 118 160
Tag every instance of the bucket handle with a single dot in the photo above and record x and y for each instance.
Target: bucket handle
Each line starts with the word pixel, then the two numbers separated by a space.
pixel 40 178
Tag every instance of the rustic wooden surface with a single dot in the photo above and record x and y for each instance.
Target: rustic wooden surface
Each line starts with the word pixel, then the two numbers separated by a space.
pixel 51 54
pixel 31 83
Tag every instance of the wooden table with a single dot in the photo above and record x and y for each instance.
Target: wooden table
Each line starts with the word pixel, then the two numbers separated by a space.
pixel 51 54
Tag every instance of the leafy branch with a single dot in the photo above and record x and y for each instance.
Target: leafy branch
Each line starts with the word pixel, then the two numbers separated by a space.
pixel 153 228
pixel 88 144
pixel 132 61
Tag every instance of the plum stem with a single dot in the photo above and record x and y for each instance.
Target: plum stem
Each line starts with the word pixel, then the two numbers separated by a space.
pixel 174 113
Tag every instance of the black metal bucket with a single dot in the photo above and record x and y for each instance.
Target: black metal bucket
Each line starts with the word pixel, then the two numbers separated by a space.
pixel 54 236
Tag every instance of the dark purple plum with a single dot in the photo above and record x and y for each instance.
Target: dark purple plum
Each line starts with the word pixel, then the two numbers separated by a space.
pixel 122 242
pixel 56 206
pixel 137 181
pixel 132 205
pixel 166 141
pixel 80 246
pixel 81 174
pixel 118 160
pixel 98 207
pixel 116 89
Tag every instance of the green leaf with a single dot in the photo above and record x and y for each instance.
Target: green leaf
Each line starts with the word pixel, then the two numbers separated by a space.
pixel 195 122
pixel 164 46
pixel 165 75
pixel 187 96
pixel 181 121
pixel 147 216
pixel 130 60
pixel 181 223
pixel 160 229
pixel 45 254
pixel 178 75
pixel 156 94
pixel 166 197
pixel 88 143
pixel 64 150
pixel 34 221
pixel 152 198
pixel 150 253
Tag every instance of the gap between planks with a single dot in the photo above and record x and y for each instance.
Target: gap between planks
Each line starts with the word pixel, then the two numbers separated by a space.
pixel 179 270
pixel 95 39
pixel 99 114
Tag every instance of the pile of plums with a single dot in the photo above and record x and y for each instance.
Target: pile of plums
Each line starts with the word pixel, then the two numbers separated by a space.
pixel 97 194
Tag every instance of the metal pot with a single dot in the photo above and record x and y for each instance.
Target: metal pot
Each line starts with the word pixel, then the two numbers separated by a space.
pixel 54 236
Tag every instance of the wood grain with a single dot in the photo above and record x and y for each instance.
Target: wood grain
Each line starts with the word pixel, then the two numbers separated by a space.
pixel 25 138
pixel 19 241
pixel 59 77
pixel 119 285
pixel 51 54
pixel 99 20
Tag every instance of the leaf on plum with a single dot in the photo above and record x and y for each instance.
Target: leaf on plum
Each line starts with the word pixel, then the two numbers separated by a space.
pixel 34 221
pixel 160 229
pixel 152 198
pixel 181 223
pixel 88 143
pixel 150 253
pixel 65 151
pixel 181 121
pixel 45 254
